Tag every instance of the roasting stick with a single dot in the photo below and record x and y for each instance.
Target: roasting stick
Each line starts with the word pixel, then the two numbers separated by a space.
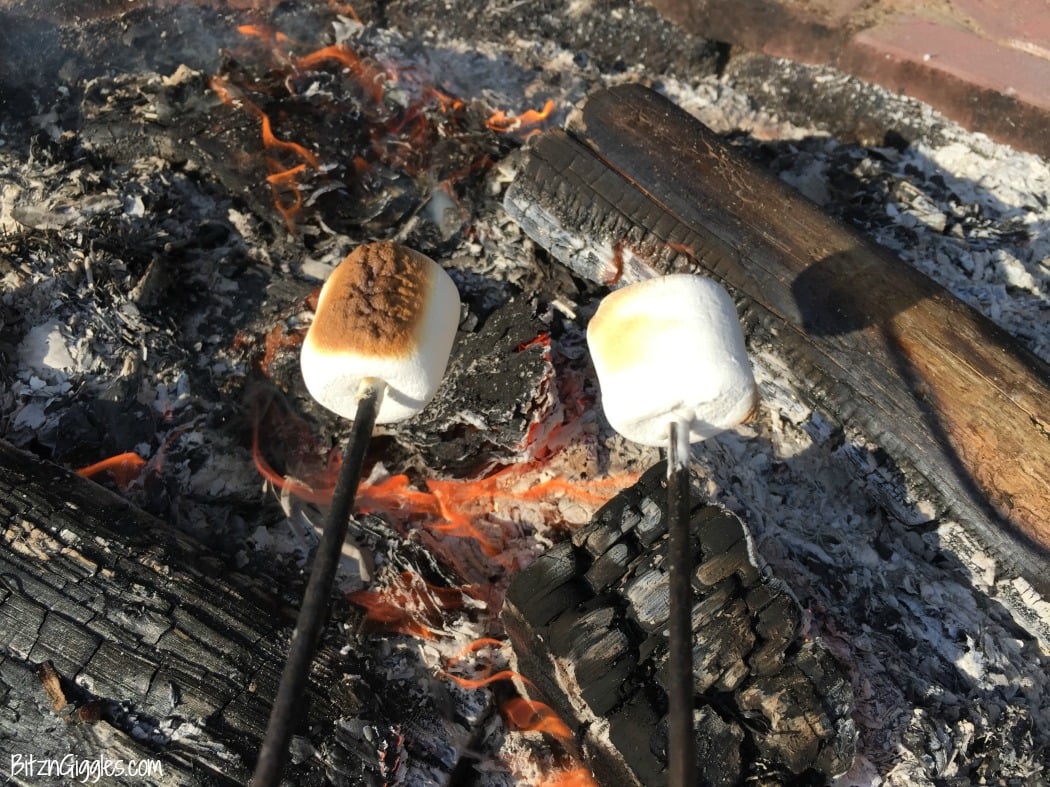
pixel 314 611
pixel 673 370
pixel 681 741
pixel 375 353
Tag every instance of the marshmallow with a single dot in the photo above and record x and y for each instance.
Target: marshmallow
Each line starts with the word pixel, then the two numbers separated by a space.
pixel 386 312
pixel 667 350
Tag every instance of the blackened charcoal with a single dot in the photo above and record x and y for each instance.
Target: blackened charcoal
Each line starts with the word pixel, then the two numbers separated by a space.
pixel 497 386
pixel 718 745
pixel 610 566
pixel 607 687
pixel 588 621
pixel 776 625
pixel 649 601
pixel 549 571
pixel 719 649
pixel 725 548
pixel 634 731
pixel 631 510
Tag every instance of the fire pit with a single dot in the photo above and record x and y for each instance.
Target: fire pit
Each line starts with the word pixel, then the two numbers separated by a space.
pixel 179 178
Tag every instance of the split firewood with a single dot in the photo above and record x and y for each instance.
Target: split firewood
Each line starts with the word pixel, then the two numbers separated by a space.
pixel 637 187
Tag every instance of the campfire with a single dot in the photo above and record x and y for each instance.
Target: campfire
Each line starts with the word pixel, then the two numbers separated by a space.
pixel 180 180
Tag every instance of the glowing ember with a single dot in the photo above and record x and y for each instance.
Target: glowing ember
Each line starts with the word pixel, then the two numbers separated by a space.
pixel 122 468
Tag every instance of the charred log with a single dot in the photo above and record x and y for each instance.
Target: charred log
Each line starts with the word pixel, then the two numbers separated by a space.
pixel 149 646
pixel 587 620
pixel 637 187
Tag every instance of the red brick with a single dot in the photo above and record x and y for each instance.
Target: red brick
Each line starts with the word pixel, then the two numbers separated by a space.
pixel 1019 24
pixel 960 54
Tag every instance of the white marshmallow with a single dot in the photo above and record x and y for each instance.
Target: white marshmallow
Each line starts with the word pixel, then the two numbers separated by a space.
pixel 386 312
pixel 671 349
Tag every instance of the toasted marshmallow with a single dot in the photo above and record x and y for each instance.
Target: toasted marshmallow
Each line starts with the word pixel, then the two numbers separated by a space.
pixel 668 350
pixel 386 312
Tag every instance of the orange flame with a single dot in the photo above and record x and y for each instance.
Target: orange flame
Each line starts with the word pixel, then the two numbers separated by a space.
pixel 283 181
pixel 321 493
pixel 522 714
pixel 263 33
pixel 410 605
pixel 343 8
pixel 122 468
pixel 478 683
pixel 574 777
pixel 402 138
pixel 270 141
pixel 531 716
pixel 473 647
pixel 459 508
pixel 317 483
pixel 445 102
pixel 503 123
pixel 371 79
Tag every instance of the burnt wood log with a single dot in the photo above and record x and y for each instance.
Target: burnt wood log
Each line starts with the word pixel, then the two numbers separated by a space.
pixel 588 621
pixel 148 645
pixel 637 187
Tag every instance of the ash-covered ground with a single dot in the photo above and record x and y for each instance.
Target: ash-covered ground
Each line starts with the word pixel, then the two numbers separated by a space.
pixel 153 290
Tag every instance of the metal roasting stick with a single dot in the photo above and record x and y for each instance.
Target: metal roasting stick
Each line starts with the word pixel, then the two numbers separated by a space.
pixel 681 738
pixel 314 612
pixel 637 338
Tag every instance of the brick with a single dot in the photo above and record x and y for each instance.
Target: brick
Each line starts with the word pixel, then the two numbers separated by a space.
pixel 961 54
pixel 1023 25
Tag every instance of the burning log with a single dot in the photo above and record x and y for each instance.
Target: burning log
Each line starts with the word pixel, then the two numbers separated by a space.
pixel 587 622
pixel 637 187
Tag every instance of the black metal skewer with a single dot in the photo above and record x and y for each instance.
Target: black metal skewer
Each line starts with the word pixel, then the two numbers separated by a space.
pixel 314 612
pixel 681 739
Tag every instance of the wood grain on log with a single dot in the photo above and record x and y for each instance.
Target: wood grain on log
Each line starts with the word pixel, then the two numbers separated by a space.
pixel 174 655
pixel 637 187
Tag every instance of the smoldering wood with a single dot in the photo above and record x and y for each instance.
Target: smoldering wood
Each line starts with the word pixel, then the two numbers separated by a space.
pixel 498 388
pixel 588 623
pixel 496 400
pixel 636 187
pixel 174 656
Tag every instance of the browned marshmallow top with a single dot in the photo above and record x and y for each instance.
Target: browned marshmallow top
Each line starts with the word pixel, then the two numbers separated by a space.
pixel 373 302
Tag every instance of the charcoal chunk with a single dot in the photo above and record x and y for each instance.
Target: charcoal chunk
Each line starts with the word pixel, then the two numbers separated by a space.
pixel 768 704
